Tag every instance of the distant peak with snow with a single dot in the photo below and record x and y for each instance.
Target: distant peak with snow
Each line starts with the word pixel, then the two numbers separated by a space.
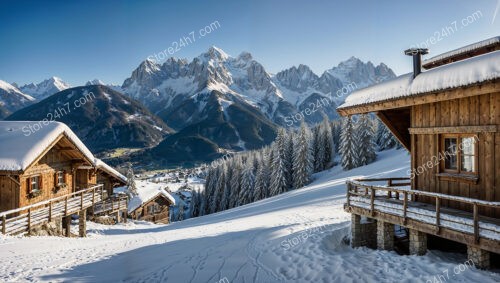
pixel 45 88
pixel 95 82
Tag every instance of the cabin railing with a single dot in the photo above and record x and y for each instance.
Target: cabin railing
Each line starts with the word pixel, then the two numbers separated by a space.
pixel 23 219
pixel 375 198
pixel 110 205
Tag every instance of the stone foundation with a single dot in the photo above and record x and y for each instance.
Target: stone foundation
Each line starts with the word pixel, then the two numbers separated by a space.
pixel 418 242
pixel 385 236
pixel 53 228
pixel 363 232
pixel 481 258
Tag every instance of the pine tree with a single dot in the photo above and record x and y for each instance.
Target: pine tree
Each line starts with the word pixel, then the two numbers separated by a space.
pixel 279 183
pixel 348 144
pixel 336 132
pixel 366 146
pixel 258 191
pixel 289 157
pixel 315 147
pixel 385 139
pixel 219 189
pixel 210 186
pixel 303 159
pixel 180 215
pixel 247 183
pixel 235 185
pixel 195 203
pixel 132 187
pixel 226 193
pixel 327 138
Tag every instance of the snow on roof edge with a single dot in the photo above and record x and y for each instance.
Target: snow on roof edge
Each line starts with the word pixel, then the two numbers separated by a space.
pixel 147 191
pixel 28 151
pixel 110 170
pixel 471 71
pixel 461 50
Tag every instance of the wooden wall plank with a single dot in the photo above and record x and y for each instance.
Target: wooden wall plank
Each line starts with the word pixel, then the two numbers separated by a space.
pixel 454 107
pixel 464 112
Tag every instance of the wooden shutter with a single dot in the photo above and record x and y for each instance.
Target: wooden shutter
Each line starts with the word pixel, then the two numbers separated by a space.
pixel 28 185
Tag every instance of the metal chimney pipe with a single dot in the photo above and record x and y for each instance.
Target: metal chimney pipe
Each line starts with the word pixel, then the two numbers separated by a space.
pixel 417 53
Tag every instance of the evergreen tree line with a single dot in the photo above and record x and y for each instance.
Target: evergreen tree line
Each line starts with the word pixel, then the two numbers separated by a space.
pixel 289 162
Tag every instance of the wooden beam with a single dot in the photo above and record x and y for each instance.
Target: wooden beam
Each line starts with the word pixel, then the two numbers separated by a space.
pixel 14 180
pixel 424 98
pixel 454 130
pixel 397 134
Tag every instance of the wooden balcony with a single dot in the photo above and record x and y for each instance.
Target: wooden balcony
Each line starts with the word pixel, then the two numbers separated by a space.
pixel 24 218
pixel 110 205
pixel 393 201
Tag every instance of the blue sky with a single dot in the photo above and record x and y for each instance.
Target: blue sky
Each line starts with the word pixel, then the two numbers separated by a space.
pixel 83 40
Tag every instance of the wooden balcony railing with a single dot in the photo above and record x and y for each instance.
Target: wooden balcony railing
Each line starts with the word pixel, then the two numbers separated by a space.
pixel 397 198
pixel 110 205
pixel 24 218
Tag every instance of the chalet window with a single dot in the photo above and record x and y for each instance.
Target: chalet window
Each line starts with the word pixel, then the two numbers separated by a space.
pixel 35 183
pixel 154 208
pixel 34 186
pixel 60 178
pixel 460 154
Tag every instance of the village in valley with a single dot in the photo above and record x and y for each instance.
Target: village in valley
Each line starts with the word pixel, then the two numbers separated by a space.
pixel 218 170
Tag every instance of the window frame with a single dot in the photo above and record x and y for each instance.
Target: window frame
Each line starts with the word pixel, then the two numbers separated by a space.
pixel 459 138
pixel 60 175
pixel 31 182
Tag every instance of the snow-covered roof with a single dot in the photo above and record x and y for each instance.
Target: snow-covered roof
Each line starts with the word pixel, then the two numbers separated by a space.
pixel 22 142
pixel 462 73
pixel 146 191
pixel 110 170
pixel 462 50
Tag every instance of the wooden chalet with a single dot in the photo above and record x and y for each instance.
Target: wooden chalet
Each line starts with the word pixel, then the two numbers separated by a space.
pixel 47 174
pixel 448 117
pixel 151 203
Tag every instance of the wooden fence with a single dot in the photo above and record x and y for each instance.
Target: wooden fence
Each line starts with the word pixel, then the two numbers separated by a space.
pixel 398 201
pixel 24 218
pixel 110 205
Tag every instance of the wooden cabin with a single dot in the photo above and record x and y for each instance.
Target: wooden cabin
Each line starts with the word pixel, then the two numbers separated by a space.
pixel 448 117
pixel 151 203
pixel 46 173
pixel 109 177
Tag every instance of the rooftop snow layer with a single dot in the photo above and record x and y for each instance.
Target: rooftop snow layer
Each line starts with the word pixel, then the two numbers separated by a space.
pixel 146 191
pixel 466 72
pixel 465 49
pixel 105 167
pixel 21 143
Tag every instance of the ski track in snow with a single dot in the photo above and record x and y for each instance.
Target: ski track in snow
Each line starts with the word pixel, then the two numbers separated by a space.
pixel 243 245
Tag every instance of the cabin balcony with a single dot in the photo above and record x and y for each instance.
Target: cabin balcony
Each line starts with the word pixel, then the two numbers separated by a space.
pixel 383 203
pixel 25 218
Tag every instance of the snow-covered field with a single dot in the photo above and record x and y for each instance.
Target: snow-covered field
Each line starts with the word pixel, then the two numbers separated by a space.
pixel 294 237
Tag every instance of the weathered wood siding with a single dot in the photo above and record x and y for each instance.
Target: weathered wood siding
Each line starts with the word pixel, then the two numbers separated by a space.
pixel 163 216
pixel 470 111
pixel 9 194
pixel 47 167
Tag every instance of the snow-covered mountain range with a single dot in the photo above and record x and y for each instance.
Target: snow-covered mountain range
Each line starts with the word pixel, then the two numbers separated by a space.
pixel 46 88
pixel 165 87
pixel 216 102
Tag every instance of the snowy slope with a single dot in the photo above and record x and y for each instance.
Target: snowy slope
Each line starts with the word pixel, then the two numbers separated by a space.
pixel 245 244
